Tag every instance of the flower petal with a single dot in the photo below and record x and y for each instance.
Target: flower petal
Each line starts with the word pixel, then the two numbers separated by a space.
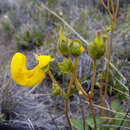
pixel 82 48
pixel 44 60
pixel 24 77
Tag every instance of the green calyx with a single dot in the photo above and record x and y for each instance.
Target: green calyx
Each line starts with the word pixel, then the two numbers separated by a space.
pixel 96 48
pixel 55 89
pixel 105 37
pixel 74 48
pixel 63 44
pixel 46 68
pixel 100 76
pixel 63 95
pixel 65 67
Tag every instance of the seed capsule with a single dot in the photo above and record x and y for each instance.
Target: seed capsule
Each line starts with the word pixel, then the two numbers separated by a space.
pixel 55 89
pixel 96 48
pixel 65 67
pixel 63 44
pixel 76 48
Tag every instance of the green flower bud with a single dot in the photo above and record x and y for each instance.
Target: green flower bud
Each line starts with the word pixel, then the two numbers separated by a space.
pixel 97 84
pixel 108 28
pixel 63 44
pixel 65 67
pixel 76 48
pixel 105 37
pixel 96 48
pixel 100 76
pixel 55 89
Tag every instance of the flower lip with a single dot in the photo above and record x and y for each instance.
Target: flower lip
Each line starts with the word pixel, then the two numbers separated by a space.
pixel 44 60
pixel 24 77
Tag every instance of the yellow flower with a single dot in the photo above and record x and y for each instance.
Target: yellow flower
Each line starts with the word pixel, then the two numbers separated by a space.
pixel 24 77
pixel 82 48
pixel 108 28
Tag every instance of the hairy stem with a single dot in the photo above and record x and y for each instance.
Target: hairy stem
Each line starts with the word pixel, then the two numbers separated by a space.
pixel 85 95
pixel 66 103
pixel 51 77
pixel 68 93
pixel 101 86
pixel 108 64
pixel 93 78
pixel 91 94
pixel 93 113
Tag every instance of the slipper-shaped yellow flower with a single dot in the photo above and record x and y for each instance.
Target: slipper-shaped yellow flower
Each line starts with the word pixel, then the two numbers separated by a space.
pixel 24 77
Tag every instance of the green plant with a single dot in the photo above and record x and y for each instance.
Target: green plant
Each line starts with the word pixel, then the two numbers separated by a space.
pixel 29 36
pixel 6 26
pixel 109 123
pixel 113 16
pixel 73 48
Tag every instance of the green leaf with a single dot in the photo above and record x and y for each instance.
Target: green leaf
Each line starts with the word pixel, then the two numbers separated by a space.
pixel 61 34
pixel 90 121
pixel 46 68
pixel 115 105
pixel 77 123
pixel 117 122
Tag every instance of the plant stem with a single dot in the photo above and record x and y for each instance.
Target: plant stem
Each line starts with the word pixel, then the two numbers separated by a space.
pixel 101 86
pixel 78 85
pixel 113 18
pixel 85 95
pixel 68 93
pixel 93 113
pixel 93 78
pixel 66 103
pixel 51 77
pixel 108 64
pixel 91 94
pixel 53 80
pixel 79 88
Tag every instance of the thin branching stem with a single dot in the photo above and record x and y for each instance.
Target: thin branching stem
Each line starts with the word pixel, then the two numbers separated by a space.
pixel 101 99
pixel 66 103
pixel 110 47
pixel 102 1
pixel 93 113
pixel 80 88
pixel 68 93
pixel 112 6
pixel 117 7
pixel 51 77
pixel 108 64
pixel 85 95
pixel 91 94
pixel 53 80
pixel 93 78
pixel 108 9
